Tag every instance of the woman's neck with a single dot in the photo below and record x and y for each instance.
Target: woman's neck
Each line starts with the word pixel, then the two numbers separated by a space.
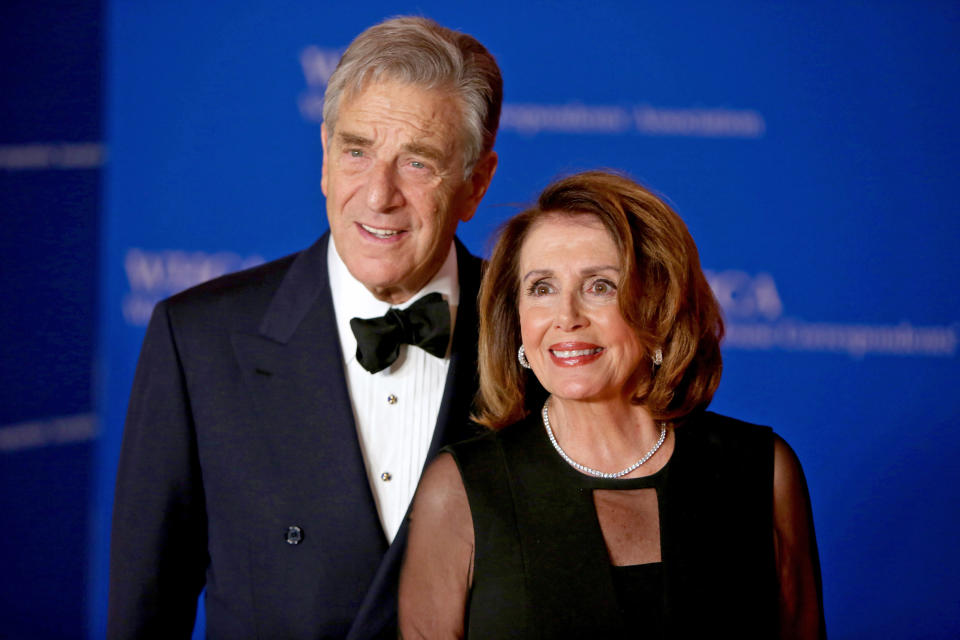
pixel 608 435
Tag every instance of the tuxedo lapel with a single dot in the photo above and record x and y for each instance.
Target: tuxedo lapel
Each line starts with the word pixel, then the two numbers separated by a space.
pixel 306 286
pixel 294 370
pixel 453 420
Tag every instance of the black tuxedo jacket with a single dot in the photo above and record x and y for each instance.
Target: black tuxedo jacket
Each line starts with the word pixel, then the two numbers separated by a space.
pixel 240 468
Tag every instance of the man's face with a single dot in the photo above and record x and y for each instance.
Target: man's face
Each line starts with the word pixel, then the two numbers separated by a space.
pixel 393 179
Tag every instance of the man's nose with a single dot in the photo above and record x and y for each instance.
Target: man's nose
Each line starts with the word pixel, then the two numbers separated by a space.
pixel 383 192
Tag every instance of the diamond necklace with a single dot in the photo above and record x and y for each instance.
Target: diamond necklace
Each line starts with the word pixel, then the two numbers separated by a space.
pixel 594 472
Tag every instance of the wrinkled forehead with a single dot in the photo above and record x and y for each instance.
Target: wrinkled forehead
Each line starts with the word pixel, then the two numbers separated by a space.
pixel 453 131
pixel 427 90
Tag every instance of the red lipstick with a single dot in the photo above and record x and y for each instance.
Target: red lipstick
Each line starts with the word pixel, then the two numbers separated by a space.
pixel 574 354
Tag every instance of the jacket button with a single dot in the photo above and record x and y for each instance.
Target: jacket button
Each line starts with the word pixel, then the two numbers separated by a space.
pixel 294 535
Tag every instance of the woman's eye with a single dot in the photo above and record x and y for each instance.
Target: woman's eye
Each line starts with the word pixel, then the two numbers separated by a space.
pixel 603 287
pixel 416 164
pixel 538 289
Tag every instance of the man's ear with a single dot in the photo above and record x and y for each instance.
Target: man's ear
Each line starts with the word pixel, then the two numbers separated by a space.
pixel 479 183
pixel 323 166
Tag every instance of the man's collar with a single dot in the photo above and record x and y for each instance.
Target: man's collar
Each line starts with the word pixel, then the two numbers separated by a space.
pixel 351 299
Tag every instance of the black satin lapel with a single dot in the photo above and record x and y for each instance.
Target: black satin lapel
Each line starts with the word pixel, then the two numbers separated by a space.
pixel 294 373
pixel 453 419
pixel 305 283
pixel 568 568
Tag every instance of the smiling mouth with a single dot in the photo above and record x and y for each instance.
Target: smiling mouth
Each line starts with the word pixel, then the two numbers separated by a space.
pixel 576 353
pixel 379 233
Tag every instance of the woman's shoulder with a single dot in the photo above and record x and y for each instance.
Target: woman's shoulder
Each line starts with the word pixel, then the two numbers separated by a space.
pixel 713 440
pixel 721 430
pixel 489 460
pixel 711 421
pixel 493 441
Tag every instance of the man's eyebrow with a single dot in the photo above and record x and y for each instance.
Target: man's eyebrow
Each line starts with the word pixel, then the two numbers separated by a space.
pixel 428 151
pixel 353 140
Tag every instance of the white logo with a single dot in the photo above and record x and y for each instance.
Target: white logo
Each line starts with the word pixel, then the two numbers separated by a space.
pixel 744 296
pixel 318 65
pixel 154 275
pixel 753 316
pixel 647 120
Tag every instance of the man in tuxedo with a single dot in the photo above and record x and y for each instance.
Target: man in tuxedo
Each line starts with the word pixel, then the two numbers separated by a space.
pixel 280 417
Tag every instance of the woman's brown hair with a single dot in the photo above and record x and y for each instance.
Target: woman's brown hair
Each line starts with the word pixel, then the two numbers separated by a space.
pixel 663 294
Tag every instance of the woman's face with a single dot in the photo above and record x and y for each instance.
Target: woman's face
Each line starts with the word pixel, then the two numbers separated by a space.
pixel 578 343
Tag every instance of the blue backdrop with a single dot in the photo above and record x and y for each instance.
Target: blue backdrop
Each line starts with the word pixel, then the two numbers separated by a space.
pixel 812 149
pixel 50 157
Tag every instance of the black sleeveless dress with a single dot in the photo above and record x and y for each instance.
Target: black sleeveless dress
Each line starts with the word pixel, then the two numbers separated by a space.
pixel 541 566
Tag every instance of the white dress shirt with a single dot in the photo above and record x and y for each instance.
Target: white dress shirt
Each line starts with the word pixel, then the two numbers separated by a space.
pixel 395 409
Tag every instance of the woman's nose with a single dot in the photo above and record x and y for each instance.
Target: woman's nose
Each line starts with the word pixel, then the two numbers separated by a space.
pixel 570 314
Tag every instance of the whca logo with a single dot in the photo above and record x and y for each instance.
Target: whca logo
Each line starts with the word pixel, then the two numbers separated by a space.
pixel 318 65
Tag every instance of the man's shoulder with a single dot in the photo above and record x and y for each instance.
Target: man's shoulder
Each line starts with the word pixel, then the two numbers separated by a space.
pixel 265 277
pixel 235 295
pixel 243 297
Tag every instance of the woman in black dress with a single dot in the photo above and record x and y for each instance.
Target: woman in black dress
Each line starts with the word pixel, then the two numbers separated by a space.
pixel 606 501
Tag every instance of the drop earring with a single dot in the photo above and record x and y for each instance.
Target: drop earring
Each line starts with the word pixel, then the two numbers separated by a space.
pixel 522 357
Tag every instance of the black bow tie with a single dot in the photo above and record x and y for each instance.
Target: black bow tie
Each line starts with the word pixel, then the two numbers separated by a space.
pixel 425 324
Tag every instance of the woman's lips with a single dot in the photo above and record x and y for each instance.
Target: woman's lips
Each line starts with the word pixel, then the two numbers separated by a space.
pixel 574 354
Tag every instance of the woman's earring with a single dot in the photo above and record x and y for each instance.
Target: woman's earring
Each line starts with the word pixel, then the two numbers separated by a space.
pixel 522 357
pixel 657 357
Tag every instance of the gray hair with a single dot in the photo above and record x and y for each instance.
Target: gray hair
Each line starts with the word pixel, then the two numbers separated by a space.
pixel 419 51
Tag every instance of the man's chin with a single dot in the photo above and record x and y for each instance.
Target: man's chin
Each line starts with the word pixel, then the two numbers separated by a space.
pixel 384 283
pixel 382 275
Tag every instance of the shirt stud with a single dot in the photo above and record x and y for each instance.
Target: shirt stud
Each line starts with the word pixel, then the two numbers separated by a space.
pixel 294 535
